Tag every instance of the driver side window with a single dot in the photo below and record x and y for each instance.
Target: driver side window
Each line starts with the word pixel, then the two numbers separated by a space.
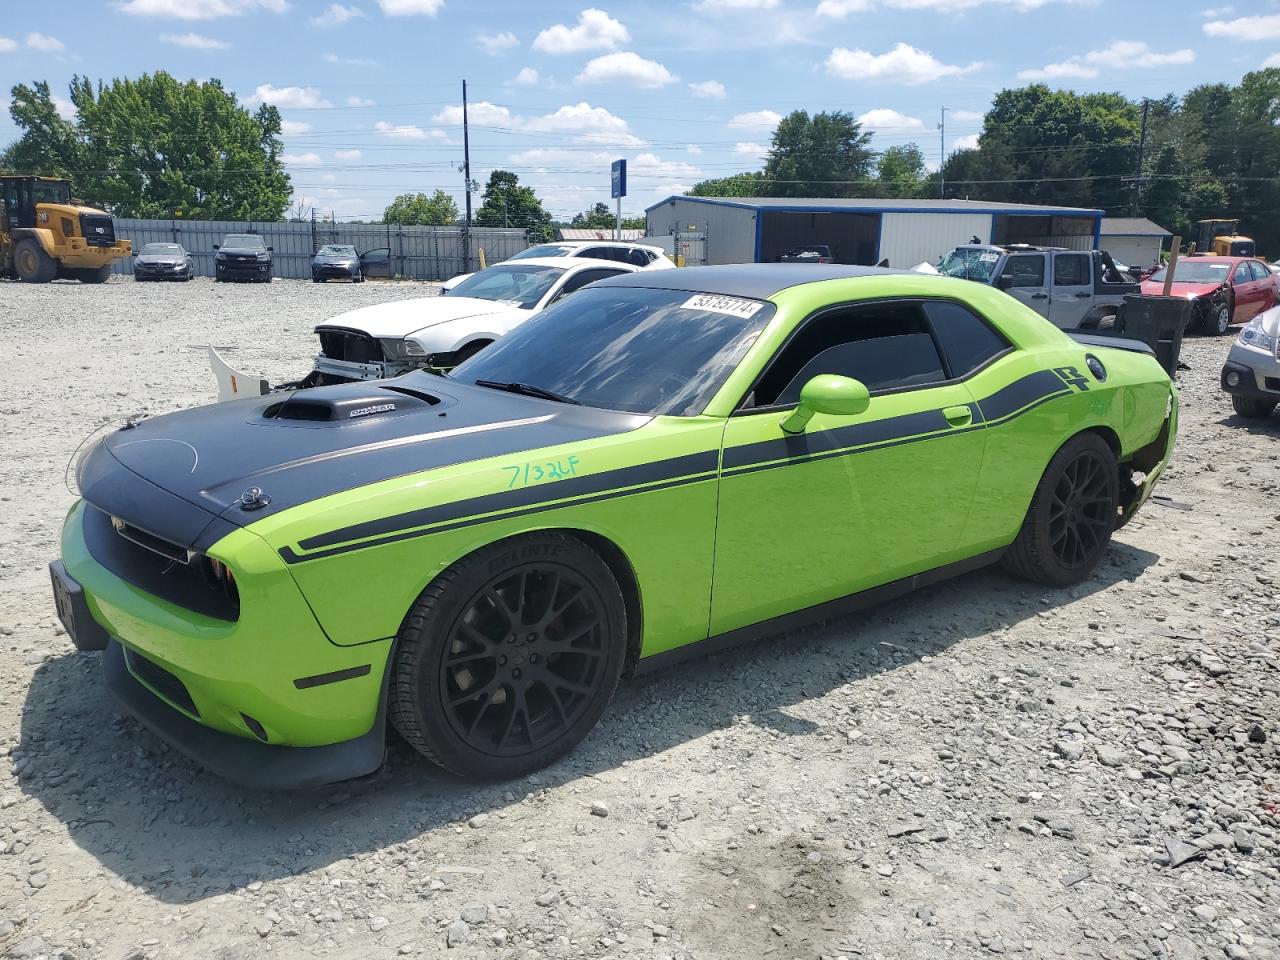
pixel 888 346
pixel 580 280
pixel 1242 274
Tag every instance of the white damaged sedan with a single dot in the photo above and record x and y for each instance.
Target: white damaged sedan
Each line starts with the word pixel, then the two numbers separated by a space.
pixel 390 339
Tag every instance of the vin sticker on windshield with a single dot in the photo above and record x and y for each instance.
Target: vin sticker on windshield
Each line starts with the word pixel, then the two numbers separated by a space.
pixel 733 306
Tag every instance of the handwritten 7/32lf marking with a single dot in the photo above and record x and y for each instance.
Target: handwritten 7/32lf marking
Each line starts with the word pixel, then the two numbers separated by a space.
pixel 541 471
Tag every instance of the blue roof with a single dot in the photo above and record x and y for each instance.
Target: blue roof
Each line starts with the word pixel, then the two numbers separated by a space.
pixel 876 205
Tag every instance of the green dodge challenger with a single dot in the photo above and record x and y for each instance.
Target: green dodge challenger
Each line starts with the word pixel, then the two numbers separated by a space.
pixel 662 464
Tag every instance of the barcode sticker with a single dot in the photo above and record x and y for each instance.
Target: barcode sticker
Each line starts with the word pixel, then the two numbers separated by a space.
pixel 733 306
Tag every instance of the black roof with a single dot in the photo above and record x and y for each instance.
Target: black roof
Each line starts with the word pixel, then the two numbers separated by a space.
pixel 758 281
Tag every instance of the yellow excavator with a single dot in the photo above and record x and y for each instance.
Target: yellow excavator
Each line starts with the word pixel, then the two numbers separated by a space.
pixel 1220 238
pixel 45 234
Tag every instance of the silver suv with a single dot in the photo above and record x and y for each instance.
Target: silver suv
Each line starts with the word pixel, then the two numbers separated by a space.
pixel 1252 371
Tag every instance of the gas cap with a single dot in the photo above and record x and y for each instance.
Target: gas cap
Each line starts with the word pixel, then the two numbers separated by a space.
pixel 254 499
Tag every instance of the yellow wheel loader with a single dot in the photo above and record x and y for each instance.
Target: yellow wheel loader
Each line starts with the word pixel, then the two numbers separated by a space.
pixel 44 234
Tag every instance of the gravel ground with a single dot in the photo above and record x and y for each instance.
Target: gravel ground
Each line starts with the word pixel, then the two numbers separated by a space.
pixel 986 767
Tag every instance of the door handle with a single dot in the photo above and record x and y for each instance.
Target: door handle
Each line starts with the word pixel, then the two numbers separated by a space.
pixel 1039 296
pixel 958 416
pixel 1083 294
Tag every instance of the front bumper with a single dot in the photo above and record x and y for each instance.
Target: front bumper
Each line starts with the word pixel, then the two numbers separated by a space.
pixel 238 696
pixel 333 271
pixel 145 272
pixel 242 271
pixel 1257 373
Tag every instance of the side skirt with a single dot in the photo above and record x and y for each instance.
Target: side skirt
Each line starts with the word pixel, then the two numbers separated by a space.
pixel 831 609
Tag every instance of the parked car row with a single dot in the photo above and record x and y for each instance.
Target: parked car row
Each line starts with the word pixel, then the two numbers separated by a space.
pixel 638 255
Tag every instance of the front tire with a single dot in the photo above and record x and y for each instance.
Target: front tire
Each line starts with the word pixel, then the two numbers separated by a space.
pixel 508 659
pixel 32 264
pixel 1072 515
pixel 1218 320
pixel 1252 407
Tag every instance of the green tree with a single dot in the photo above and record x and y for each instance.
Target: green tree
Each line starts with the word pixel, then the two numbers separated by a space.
pixel 826 155
pixel 508 204
pixel 599 217
pixel 437 210
pixel 901 172
pixel 735 185
pixel 156 147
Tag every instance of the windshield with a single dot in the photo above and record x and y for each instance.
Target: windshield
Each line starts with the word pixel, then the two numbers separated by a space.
pixel 544 250
pixel 161 249
pixel 337 250
pixel 1191 271
pixel 51 191
pixel 969 264
pixel 523 286
pixel 250 240
pixel 627 348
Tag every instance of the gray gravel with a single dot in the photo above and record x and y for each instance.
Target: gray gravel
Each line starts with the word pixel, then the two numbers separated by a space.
pixel 987 767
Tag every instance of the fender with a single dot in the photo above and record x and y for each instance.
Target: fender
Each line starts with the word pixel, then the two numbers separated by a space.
pixel 42 235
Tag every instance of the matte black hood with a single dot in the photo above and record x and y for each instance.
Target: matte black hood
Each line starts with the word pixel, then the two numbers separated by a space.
pixel 175 475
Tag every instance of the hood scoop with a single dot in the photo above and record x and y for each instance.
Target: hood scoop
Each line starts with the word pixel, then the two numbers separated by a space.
pixel 349 403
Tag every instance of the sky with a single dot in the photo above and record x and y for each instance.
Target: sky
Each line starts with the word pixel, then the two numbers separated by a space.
pixel 370 90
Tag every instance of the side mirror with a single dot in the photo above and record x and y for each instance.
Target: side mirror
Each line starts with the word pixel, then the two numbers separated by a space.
pixel 1005 281
pixel 217 246
pixel 828 393
pixel 270 249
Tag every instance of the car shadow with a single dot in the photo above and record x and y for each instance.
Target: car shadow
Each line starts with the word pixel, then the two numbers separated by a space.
pixel 1258 426
pixel 181 835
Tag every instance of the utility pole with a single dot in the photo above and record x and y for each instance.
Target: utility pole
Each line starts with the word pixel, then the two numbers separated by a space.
pixel 942 155
pixel 466 183
pixel 1142 142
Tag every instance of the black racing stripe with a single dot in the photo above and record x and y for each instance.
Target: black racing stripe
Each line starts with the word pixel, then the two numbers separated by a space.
pixel 1013 397
pixel 320 679
pixel 523 497
pixel 289 556
pixel 806 445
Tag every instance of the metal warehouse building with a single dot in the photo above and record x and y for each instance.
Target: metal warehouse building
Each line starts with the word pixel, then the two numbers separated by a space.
pixel 1133 240
pixel 904 232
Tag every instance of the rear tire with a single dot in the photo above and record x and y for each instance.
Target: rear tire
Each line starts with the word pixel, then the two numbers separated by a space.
pixel 1252 407
pixel 1072 515
pixel 508 659
pixel 32 264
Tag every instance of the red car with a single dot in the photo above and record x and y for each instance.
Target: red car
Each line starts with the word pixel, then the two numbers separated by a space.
pixel 1225 290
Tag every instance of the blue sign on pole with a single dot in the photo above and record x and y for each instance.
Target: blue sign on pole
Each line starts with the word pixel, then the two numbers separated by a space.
pixel 619 179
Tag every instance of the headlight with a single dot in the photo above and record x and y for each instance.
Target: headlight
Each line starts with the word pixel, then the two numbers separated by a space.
pixel 264 257
pixel 219 255
pixel 401 349
pixel 1254 336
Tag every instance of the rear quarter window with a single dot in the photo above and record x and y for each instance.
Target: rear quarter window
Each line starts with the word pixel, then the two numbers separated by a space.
pixel 967 341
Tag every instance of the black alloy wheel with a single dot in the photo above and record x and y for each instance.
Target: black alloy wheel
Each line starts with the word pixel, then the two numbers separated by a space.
pixel 521 664
pixel 1072 515
pixel 509 657
pixel 1081 510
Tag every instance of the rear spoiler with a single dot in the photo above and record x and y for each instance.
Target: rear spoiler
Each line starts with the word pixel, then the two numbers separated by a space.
pixel 1115 343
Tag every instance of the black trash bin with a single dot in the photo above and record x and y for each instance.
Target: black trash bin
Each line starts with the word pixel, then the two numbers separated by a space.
pixel 1157 322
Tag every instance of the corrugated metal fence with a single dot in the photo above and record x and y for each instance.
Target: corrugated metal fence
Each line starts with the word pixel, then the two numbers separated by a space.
pixel 419 253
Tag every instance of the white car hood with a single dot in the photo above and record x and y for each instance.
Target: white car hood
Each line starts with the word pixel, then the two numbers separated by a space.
pixel 403 317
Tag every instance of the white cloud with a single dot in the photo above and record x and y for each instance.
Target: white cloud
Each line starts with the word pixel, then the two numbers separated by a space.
pixel 198 9
pixel 411 8
pixel 407 132
pixel 527 77
pixel 649 165
pixel 194 41
pixel 66 109
pixel 885 119
pixel 965 143
pixel 354 101
pixel 543 157
pixel 296 98
pixel 8 45
pixel 302 159
pixel 903 64
pixel 589 124
pixel 1121 55
pixel 45 43
pixel 1271 61
pixel 347 154
pixel 291 128
pixel 965 116
pixel 712 6
pixel 750 149
pixel 1266 27
pixel 595 30
pixel 481 112
pixel 337 14
pixel 627 68
pixel 839 9
pixel 756 120
pixel 693 149
pixel 351 61
pixel 495 43
pixel 708 90
pixel 1213 12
